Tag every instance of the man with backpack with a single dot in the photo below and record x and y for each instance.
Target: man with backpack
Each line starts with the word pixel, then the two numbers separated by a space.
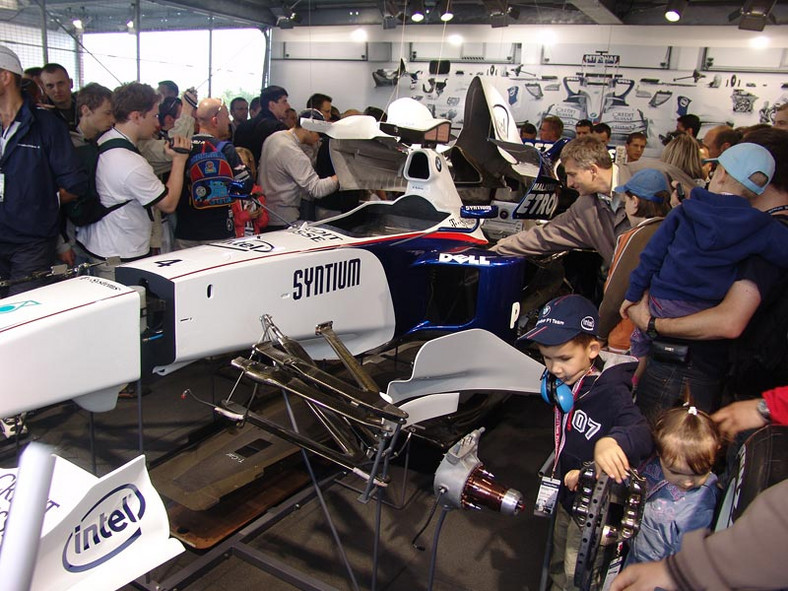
pixel 204 211
pixel 126 183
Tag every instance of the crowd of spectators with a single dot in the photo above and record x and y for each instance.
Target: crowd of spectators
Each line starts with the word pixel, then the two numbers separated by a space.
pixel 153 208
pixel 153 132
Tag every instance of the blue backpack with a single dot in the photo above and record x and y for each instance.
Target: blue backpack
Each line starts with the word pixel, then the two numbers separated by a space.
pixel 209 175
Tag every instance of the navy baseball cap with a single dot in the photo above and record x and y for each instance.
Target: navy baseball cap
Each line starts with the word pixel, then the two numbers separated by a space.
pixel 562 319
pixel 645 184
pixel 744 160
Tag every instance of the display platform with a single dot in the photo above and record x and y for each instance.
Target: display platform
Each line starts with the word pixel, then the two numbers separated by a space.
pixel 201 477
pixel 204 529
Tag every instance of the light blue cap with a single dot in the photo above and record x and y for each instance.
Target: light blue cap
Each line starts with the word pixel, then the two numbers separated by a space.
pixel 645 184
pixel 744 160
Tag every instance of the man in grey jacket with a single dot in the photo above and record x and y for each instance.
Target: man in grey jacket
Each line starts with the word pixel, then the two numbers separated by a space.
pixel 597 217
pixel 593 220
pixel 286 173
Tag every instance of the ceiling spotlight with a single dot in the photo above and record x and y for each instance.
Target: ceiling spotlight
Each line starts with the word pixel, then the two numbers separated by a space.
pixel 754 14
pixel 445 10
pixel 499 12
pixel 389 11
pixel 675 9
pixel 417 12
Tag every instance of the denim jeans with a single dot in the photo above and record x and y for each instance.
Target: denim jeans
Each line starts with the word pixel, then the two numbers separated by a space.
pixel 661 388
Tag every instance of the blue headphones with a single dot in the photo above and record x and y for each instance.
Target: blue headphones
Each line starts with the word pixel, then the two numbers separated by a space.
pixel 554 391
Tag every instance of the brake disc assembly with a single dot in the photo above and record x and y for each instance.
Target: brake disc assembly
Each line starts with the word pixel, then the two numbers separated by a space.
pixel 608 513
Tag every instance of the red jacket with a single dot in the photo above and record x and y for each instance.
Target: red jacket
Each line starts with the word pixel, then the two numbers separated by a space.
pixel 777 401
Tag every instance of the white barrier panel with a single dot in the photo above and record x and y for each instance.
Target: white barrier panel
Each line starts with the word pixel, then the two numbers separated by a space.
pixel 78 338
pixel 97 533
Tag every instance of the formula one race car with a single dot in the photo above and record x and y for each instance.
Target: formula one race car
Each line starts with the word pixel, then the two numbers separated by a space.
pixel 381 272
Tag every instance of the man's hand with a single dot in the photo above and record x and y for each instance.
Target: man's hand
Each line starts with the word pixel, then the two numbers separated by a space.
pixel 66 196
pixel 69 257
pixel 738 417
pixel 189 102
pixel 571 479
pixel 178 143
pixel 611 459
pixel 625 305
pixel 644 577
pixel 639 313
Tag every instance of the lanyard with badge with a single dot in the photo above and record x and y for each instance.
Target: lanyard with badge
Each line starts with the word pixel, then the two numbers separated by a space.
pixel 549 485
pixel 5 137
pixel 8 133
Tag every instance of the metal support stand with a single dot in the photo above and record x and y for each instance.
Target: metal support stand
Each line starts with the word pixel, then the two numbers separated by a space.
pixel 356 425
pixel 92 437
pixel 319 495
pixel 138 388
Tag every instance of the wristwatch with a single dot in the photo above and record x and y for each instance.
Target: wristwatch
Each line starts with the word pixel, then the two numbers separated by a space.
pixel 651 331
pixel 764 411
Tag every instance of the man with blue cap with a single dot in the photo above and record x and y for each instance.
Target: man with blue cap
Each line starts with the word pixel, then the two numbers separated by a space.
pixel 692 260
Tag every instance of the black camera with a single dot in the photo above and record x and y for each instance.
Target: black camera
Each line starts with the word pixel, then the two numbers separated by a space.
pixel 669 137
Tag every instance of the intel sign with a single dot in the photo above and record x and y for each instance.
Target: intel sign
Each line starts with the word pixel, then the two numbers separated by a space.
pixel 109 527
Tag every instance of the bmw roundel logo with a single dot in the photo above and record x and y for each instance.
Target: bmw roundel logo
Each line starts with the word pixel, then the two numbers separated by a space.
pixel 587 323
pixel 545 310
pixel 438 165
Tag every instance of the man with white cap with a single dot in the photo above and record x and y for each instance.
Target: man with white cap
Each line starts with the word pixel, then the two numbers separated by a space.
pixel 38 169
pixel 690 264
pixel 286 173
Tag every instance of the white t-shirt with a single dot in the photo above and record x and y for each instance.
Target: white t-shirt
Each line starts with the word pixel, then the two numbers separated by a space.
pixel 122 175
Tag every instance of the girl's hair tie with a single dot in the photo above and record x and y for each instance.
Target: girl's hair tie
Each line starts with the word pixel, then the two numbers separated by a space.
pixel 693 411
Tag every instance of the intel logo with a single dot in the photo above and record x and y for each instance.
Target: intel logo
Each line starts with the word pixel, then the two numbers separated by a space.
pixel 587 323
pixel 108 528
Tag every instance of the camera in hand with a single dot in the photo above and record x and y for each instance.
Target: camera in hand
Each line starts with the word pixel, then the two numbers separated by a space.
pixel 179 150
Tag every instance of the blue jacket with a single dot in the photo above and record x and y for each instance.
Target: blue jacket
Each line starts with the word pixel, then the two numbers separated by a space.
pixel 669 513
pixel 693 256
pixel 603 408
pixel 37 160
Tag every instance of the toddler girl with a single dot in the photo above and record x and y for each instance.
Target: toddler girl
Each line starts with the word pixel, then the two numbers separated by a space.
pixel 681 491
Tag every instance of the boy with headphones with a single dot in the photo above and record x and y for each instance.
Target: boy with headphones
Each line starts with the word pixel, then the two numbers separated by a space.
pixel 595 417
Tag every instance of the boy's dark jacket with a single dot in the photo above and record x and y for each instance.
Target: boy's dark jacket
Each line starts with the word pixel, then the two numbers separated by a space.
pixel 603 408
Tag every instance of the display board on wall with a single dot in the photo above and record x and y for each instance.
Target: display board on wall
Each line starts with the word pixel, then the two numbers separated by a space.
pixel 618 91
